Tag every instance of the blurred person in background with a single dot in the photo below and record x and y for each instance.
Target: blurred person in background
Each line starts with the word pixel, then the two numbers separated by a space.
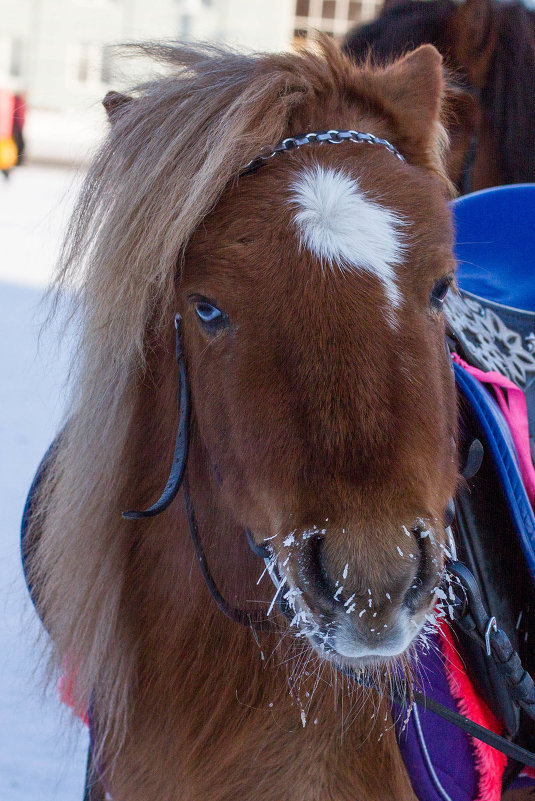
pixel 8 148
pixel 19 117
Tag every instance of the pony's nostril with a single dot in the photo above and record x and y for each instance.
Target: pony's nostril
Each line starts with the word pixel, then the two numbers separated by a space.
pixel 316 573
pixel 415 592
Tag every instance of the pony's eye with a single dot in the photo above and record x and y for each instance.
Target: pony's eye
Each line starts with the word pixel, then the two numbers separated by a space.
pixel 439 292
pixel 207 313
pixel 211 318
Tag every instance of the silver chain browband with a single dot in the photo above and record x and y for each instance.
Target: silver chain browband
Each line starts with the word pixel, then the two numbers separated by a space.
pixel 334 137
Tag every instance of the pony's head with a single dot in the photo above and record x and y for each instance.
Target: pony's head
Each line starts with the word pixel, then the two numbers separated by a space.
pixel 323 407
pixel 323 399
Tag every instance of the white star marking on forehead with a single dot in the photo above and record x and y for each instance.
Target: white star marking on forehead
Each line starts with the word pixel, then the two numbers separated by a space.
pixel 344 228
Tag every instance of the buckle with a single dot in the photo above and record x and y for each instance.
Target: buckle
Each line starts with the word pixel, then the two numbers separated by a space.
pixel 468 608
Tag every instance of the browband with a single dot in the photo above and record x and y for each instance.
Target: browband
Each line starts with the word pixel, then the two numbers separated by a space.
pixel 334 137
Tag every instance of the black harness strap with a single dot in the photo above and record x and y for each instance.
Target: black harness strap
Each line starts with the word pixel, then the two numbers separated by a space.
pixel 259 622
pixel 178 478
pixel 487 736
pixel 180 454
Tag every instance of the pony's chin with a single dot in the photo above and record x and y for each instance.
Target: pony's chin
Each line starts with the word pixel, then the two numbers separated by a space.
pixel 355 667
pixel 347 651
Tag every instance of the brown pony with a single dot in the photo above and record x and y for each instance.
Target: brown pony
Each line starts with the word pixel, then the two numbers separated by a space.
pixel 491 46
pixel 323 420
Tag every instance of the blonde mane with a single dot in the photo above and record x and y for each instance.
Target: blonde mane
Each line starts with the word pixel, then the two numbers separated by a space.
pixel 172 149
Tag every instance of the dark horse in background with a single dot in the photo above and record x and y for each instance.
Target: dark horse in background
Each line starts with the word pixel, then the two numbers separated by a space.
pixel 490 46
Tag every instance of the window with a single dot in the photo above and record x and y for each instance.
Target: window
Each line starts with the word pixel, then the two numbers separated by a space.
pixel 185 26
pixel 329 9
pixel 92 65
pixel 106 66
pixel 334 17
pixel 82 74
pixel 354 11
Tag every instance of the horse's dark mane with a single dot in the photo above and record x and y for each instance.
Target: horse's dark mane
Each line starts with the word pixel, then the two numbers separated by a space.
pixel 508 98
pixel 401 28
pixel 508 95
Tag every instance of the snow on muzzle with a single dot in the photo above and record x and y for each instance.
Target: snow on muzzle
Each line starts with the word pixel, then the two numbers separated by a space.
pixel 366 609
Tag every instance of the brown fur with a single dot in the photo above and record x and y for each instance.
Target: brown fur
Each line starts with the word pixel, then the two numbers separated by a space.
pixel 312 407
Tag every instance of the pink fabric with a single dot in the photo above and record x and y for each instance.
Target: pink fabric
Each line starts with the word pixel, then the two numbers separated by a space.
pixel 66 695
pixel 490 763
pixel 512 403
pixel 7 107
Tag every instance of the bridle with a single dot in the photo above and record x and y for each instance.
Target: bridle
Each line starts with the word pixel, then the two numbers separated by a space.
pixel 468 609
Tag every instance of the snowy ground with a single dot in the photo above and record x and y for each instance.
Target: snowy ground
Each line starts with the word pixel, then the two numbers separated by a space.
pixel 42 755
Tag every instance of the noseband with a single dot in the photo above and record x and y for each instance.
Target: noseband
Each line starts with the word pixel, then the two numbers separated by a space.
pixel 468 609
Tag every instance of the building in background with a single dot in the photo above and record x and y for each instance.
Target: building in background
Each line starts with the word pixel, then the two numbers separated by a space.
pixel 335 17
pixel 61 54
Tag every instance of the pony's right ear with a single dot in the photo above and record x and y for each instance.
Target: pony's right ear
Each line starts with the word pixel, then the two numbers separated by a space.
pixel 113 101
pixel 412 90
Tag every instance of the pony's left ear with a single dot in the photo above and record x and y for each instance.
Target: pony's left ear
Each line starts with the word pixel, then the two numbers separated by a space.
pixel 412 92
pixel 112 102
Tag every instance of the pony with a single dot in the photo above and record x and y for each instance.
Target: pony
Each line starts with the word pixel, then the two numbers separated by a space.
pixel 490 46
pixel 309 289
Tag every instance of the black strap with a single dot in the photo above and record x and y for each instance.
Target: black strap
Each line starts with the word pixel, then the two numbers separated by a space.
pixel 93 789
pixel 258 621
pixel 474 729
pixel 407 698
pixel 180 454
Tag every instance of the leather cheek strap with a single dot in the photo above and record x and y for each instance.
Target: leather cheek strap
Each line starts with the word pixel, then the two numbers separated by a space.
pixel 180 455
